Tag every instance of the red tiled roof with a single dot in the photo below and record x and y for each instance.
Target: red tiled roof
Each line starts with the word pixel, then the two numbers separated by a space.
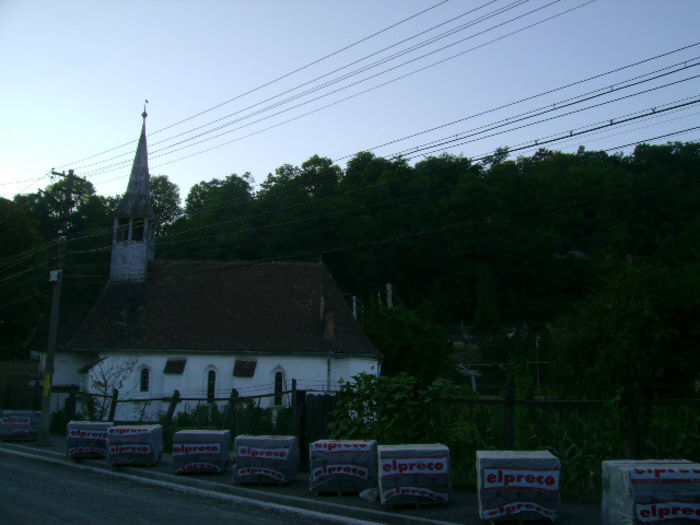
pixel 208 306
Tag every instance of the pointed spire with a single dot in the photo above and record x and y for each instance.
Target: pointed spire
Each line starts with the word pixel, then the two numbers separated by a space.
pixel 137 200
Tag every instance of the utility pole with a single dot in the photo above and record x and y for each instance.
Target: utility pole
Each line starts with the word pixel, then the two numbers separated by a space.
pixel 55 276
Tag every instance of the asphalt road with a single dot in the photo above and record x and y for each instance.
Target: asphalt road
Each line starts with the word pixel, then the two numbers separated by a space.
pixel 37 492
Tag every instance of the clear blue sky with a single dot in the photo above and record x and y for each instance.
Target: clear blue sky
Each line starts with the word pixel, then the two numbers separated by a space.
pixel 74 75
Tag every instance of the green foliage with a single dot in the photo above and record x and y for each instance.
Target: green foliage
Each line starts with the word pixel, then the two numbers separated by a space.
pixel 389 409
pixel 247 418
pixel 165 200
pixel 409 344
pixel 635 329
pixel 398 409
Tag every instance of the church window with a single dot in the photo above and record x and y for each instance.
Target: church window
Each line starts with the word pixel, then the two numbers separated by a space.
pixel 211 386
pixel 279 385
pixel 137 230
pixel 122 229
pixel 145 379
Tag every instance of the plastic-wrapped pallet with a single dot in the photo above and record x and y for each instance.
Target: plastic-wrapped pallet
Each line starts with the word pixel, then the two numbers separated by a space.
pixel 414 474
pixel 650 491
pixel 266 459
pixel 342 465
pixel 201 451
pixel 20 424
pixel 87 439
pixel 518 484
pixel 134 444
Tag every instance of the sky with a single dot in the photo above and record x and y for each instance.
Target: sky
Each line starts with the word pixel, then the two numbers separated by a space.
pixel 249 85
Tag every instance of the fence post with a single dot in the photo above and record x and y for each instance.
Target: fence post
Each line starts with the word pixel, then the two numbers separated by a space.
pixel 71 403
pixel 509 414
pixel 636 429
pixel 226 423
pixel 113 407
pixel 295 411
pixel 171 408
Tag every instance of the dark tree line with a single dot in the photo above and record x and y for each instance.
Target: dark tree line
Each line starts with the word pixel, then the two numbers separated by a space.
pixel 590 259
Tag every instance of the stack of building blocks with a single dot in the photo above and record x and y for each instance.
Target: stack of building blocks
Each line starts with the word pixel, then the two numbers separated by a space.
pixel 201 451
pixel 650 491
pixel 134 444
pixel 520 485
pixel 342 465
pixel 266 459
pixel 414 474
pixel 20 424
pixel 87 439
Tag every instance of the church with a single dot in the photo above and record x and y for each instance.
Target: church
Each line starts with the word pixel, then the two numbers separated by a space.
pixel 206 327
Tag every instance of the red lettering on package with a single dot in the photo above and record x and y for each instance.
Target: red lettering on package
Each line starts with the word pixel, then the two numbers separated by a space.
pixel 119 449
pixel 542 480
pixel 349 470
pixel 413 466
pixel 127 431
pixel 340 446
pixel 278 454
pixel 199 467
pixel 420 492
pixel 516 507
pixel 667 511
pixel 14 420
pixel 195 449
pixel 79 433
pixel 86 450
pixel 670 473
pixel 260 471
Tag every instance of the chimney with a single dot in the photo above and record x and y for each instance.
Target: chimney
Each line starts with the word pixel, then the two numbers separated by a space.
pixel 329 325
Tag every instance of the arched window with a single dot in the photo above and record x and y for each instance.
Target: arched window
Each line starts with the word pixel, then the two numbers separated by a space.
pixel 279 386
pixel 145 379
pixel 211 386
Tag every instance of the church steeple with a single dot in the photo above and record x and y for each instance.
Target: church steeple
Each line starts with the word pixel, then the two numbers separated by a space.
pixel 133 235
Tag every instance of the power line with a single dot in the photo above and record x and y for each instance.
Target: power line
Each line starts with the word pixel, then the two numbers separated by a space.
pixel 270 82
pixel 537 143
pixel 112 167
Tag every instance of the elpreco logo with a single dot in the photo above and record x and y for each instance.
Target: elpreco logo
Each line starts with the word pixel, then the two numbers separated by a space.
pixel 415 491
pixel 668 474
pixel 517 507
pixel 199 467
pixel 78 433
pixel 666 511
pixel 421 466
pixel 340 446
pixel 14 420
pixel 130 449
pixel 192 449
pixel 327 471
pixel 262 453
pixel 546 480
pixel 260 471
pixel 124 431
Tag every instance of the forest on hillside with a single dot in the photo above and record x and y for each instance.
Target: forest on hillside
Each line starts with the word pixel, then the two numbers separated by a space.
pixel 586 263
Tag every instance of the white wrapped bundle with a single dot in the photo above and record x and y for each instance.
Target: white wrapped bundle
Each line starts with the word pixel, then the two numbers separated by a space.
pixel 266 459
pixel 87 439
pixel 20 424
pixel 134 444
pixel 650 491
pixel 414 474
pixel 201 451
pixel 518 484
pixel 342 465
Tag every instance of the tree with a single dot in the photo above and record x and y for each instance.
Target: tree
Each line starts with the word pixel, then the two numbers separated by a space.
pixel 23 278
pixel 640 326
pixel 165 199
pixel 409 344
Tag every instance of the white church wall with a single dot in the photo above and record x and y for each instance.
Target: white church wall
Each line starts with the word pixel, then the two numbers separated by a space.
pixel 124 372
